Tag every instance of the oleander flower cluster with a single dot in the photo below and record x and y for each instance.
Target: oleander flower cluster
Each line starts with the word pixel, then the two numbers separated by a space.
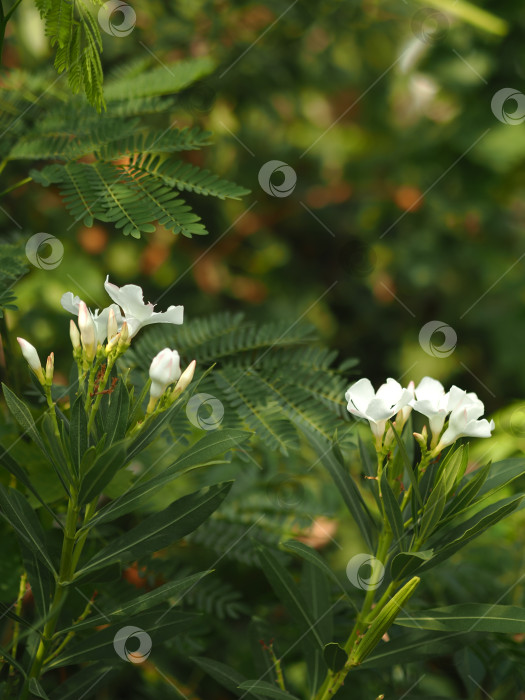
pixel 451 414
pixel 102 336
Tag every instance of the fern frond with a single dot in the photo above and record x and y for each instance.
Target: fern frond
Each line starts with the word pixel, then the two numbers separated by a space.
pixel 154 142
pixel 164 80
pixel 191 178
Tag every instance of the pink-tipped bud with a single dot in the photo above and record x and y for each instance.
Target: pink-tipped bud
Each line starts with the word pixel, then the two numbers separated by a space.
pixel 50 368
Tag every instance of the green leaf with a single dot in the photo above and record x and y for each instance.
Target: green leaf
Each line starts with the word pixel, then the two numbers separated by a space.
pixel 393 512
pixel 468 493
pixel 432 510
pixel 36 689
pixel 453 467
pixel 159 530
pixel 347 488
pixel 309 554
pixel 335 656
pixel 503 473
pixel 102 472
pixel 459 536
pixel 415 646
pixel 20 475
pixel 99 646
pixel 78 435
pixel 228 677
pixel 370 470
pixel 40 580
pixel 174 589
pixel 79 685
pixel 407 563
pixel 19 514
pixel 58 457
pixel 408 464
pixel 198 455
pixel 469 617
pixel 288 592
pixel 23 417
pixel 117 415
pixel 267 690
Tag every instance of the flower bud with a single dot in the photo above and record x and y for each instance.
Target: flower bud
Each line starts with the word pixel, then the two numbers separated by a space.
pixel 50 368
pixel 163 371
pixel 112 325
pixel 87 332
pixel 185 380
pixel 124 340
pixel 74 335
pixel 31 356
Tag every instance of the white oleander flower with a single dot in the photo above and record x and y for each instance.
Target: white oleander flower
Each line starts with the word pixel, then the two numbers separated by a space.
pixel 432 401
pixel 377 407
pixel 130 298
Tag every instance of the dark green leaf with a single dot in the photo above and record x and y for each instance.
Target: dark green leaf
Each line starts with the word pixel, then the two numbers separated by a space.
pixel 19 514
pixel 174 589
pixel 267 690
pixel 159 530
pixel 335 656
pixel 432 511
pixel 408 465
pixel 78 436
pixel 393 512
pixel 23 417
pixel 469 617
pixel 200 454
pixel 102 472
pixel 228 677
pixel 407 563
pixel 348 490
pixel 117 417
pixel 288 592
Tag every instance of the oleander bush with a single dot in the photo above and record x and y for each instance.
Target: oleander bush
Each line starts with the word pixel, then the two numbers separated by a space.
pixel 260 350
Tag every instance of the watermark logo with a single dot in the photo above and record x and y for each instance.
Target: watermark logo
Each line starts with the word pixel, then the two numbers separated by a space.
pixel 120 644
pixel 366 572
pixel 500 105
pixel 205 411
pixel 285 491
pixel 427 339
pixel 44 251
pixel 284 188
pixel 108 17
pixel 429 25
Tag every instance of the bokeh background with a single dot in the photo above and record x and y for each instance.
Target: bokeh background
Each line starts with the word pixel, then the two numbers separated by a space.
pixel 408 206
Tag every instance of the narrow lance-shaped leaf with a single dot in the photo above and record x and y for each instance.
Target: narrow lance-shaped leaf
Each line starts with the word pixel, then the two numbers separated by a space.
pixel 469 617
pixel 288 592
pixel 78 436
pixel 347 488
pixel 159 530
pixel 19 514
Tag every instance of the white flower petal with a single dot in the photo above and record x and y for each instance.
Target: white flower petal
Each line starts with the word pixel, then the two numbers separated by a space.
pixel 360 394
pixel 429 389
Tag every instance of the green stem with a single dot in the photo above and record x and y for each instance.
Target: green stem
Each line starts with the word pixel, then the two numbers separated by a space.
pixel 101 387
pixel 18 610
pixel 334 681
pixel 61 590
pixel 16 185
